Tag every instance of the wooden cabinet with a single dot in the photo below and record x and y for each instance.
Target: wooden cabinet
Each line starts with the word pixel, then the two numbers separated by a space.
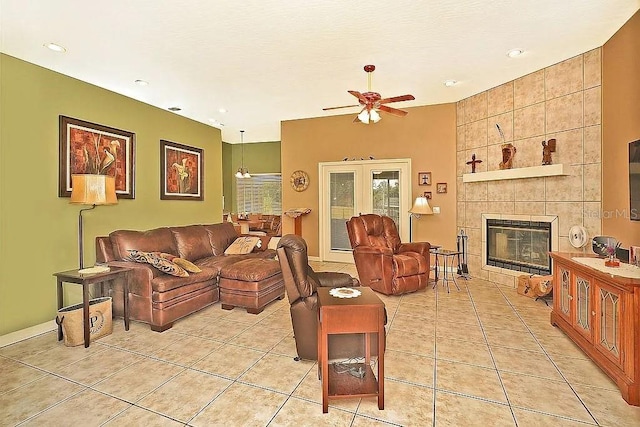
pixel 601 314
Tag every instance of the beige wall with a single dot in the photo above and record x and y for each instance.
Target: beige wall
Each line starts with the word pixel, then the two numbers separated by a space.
pixel 38 229
pixel 562 102
pixel 621 125
pixel 426 135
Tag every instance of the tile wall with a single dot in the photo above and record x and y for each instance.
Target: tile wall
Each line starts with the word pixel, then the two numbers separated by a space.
pixel 563 102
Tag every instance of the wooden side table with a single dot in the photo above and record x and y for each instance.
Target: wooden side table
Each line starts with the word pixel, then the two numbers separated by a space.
pixel 362 314
pixel 72 276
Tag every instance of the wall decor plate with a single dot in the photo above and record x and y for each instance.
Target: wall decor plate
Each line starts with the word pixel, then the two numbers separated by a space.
pixel 299 180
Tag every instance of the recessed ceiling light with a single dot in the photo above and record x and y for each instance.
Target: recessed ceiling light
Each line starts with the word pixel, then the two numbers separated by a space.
pixel 515 52
pixel 141 82
pixel 449 83
pixel 216 123
pixel 55 47
pixel 174 108
pixel 222 110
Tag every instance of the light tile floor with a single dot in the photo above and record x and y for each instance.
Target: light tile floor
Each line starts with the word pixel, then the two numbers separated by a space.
pixel 481 356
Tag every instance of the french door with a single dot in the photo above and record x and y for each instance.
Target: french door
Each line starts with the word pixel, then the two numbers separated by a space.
pixel 350 188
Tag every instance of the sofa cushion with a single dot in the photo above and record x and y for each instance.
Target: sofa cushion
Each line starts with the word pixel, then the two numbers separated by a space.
pixel 192 241
pixel 166 283
pixel 251 270
pixel 158 262
pixel 156 240
pixel 242 245
pixel 221 236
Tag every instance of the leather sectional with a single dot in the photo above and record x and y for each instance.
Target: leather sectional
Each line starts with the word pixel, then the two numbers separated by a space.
pixel 158 298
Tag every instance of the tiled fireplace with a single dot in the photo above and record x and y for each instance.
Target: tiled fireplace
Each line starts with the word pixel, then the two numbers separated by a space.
pixel 562 101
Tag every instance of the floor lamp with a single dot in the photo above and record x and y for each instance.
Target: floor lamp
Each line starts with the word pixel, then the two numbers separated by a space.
pixel 91 190
pixel 420 207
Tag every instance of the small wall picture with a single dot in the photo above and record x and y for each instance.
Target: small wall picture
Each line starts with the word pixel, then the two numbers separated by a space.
pixel 427 195
pixel 441 187
pixel 424 178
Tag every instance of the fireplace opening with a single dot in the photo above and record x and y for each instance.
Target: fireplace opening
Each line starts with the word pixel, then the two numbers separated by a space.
pixel 519 245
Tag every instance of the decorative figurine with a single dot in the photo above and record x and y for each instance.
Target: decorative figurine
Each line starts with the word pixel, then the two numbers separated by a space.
pixel 508 152
pixel 473 162
pixel 548 147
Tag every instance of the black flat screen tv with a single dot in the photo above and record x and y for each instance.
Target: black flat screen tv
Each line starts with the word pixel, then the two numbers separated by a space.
pixel 634 179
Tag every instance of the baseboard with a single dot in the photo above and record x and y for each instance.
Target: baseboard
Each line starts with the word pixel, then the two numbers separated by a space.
pixel 27 333
pixel 315 258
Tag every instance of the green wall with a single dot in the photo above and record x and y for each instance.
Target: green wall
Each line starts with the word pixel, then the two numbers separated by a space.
pixel 38 230
pixel 259 157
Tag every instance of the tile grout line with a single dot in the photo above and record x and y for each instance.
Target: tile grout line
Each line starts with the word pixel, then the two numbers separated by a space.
pixel 544 350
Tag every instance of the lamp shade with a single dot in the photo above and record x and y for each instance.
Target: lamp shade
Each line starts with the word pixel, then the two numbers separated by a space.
pixel 421 207
pixel 90 189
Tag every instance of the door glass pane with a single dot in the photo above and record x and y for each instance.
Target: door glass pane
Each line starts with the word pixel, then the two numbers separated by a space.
pixel 609 322
pixel 385 187
pixel 583 306
pixel 341 196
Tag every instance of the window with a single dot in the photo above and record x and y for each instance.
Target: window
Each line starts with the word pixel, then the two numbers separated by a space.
pixel 262 193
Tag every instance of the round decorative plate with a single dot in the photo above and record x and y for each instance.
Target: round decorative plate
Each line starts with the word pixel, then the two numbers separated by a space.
pixel 344 292
pixel 299 180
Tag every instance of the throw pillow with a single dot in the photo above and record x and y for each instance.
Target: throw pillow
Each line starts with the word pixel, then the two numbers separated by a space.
pixel 154 259
pixel 184 263
pixel 242 245
pixel 273 243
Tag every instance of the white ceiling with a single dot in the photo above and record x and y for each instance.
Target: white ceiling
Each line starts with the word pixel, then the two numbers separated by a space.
pixel 271 60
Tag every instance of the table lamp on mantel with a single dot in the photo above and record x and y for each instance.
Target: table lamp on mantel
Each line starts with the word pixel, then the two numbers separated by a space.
pixel 94 190
pixel 420 207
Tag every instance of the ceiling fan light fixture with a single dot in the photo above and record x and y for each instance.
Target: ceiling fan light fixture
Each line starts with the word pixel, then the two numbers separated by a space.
pixel 374 116
pixel 246 174
pixel 239 174
pixel 364 117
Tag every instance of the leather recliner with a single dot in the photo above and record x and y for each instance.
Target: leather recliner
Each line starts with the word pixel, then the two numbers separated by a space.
pixel 383 262
pixel 301 282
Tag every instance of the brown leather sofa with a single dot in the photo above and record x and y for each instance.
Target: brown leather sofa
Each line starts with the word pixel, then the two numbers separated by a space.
pixel 158 298
pixel 383 262
pixel 301 282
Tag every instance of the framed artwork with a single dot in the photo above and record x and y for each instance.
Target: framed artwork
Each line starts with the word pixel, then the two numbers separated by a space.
pixel 89 148
pixel 441 187
pixel 181 172
pixel 427 195
pixel 424 178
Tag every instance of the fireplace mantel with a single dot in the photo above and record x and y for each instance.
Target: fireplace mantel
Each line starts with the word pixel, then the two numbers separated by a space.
pixel 518 173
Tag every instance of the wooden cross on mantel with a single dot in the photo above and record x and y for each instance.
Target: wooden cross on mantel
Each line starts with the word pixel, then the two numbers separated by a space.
pixel 473 162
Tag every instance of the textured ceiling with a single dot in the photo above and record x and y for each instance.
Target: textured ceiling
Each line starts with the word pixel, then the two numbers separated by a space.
pixel 271 60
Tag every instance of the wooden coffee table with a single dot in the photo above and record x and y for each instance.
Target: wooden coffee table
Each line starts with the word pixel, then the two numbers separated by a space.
pixel 362 314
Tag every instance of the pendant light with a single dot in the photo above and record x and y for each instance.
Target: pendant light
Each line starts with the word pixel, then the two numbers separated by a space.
pixel 242 172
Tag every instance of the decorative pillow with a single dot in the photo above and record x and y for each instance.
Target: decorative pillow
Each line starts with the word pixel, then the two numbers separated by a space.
pixel 184 263
pixel 158 262
pixel 273 243
pixel 242 245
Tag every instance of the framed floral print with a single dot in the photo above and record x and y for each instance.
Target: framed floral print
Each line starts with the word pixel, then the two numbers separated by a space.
pixel 89 148
pixel 181 172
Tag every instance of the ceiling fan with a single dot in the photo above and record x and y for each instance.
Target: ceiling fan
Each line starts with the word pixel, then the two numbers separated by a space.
pixel 372 102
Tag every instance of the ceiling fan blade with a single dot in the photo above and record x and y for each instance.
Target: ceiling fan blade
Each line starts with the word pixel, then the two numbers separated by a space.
pixel 358 95
pixel 397 99
pixel 394 111
pixel 344 106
